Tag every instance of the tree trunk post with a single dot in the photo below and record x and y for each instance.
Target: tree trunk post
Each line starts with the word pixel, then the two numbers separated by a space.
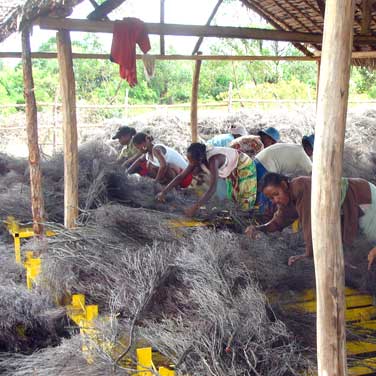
pixel 318 81
pixel 161 20
pixel 68 95
pixel 230 96
pixel 326 192
pixel 37 201
pixel 194 99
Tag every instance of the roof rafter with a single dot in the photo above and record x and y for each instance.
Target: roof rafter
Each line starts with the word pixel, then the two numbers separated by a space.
pixel 96 5
pixel 277 24
pixel 208 22
pixel 293 17
pixel 321 5
pixel 105 8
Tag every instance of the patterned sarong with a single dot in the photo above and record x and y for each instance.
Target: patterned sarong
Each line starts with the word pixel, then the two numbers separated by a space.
pixel 242 183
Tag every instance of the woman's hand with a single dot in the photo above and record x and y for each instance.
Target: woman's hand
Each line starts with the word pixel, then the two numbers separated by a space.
pixel 371 257
pixel 252 232
pixel 190 212
pixel 160 197
pixel 294 259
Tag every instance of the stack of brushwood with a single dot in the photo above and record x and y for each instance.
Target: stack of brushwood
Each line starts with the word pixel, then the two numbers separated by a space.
pixel 200 296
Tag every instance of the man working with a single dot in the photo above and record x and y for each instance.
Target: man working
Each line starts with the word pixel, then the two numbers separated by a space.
pixel 308 143
pixel 269 136
pixel 223 140
pixel 129 153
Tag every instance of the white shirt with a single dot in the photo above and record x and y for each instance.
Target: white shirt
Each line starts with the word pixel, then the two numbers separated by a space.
pixel 171 155
pixel 285 159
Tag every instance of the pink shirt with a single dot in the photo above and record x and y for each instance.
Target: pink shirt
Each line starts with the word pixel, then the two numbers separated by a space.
pixel 232 157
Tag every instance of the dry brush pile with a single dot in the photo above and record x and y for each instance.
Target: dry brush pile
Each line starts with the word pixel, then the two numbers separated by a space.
pixel 198 296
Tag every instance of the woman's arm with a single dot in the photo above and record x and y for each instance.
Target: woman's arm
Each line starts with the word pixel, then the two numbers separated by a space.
pixel 213 168
pixel 282 218
pixel 134 165
pixel 131 160
pixel 157 152
pixel 175 182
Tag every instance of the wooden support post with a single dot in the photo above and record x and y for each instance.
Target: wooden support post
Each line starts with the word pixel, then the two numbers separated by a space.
pixel 230 96
pixel 68 96
pixel 126 103
pixel 37 202
pixel 210 19
pixel 326 192
pixel 162 40
pixel 194 99
pixel 318 81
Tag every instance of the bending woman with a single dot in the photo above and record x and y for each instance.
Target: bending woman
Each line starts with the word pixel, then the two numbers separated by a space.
pixel 237 168
pixel 163 162
pixel 293 199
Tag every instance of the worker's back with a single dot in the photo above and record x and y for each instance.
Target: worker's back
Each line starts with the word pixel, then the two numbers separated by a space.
pixel 285 159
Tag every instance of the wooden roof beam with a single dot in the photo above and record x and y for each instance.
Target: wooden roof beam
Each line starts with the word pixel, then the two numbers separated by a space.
pixel 208 22
pixel 95 6
pixel 53 55
pixel 195 30
pixel 104 9
pixel 49 23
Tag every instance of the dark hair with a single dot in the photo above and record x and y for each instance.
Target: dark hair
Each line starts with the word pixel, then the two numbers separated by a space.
pixel 139 138
pixel 272 178
pixel 197 151
pixel 124 131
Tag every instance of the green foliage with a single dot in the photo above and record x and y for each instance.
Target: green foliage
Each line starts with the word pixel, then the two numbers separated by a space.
pixel 98 81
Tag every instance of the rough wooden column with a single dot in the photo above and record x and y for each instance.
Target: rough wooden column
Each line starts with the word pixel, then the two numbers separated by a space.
pixel 162 14
pixel 318 81
pixel 327 171
pixel 68 95
pixel 37 202
pixel 194 99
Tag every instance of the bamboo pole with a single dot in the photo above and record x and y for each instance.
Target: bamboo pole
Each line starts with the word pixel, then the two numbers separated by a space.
pixel 317 82
pixel 75 55
pixel 196 79
pixel 68 95
pixel 327 171
pixel 37 201
pixel 53 55
pixel 229 97
pixel 162 14
pixel 208 22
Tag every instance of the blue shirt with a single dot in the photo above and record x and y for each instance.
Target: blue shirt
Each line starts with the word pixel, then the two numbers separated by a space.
pixel 222 140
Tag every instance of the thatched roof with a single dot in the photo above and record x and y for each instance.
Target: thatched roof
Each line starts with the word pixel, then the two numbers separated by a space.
pixel 19 12
pixel 307 16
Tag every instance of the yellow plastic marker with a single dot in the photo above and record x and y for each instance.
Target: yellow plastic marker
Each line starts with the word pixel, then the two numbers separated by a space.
pixel 19 233
pixel 33 267
pixel 176 223
pixel 163 371
pixel 363 367
pixel 144 361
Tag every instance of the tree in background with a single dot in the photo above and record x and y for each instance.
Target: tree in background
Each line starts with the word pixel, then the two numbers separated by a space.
pixel 98 81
